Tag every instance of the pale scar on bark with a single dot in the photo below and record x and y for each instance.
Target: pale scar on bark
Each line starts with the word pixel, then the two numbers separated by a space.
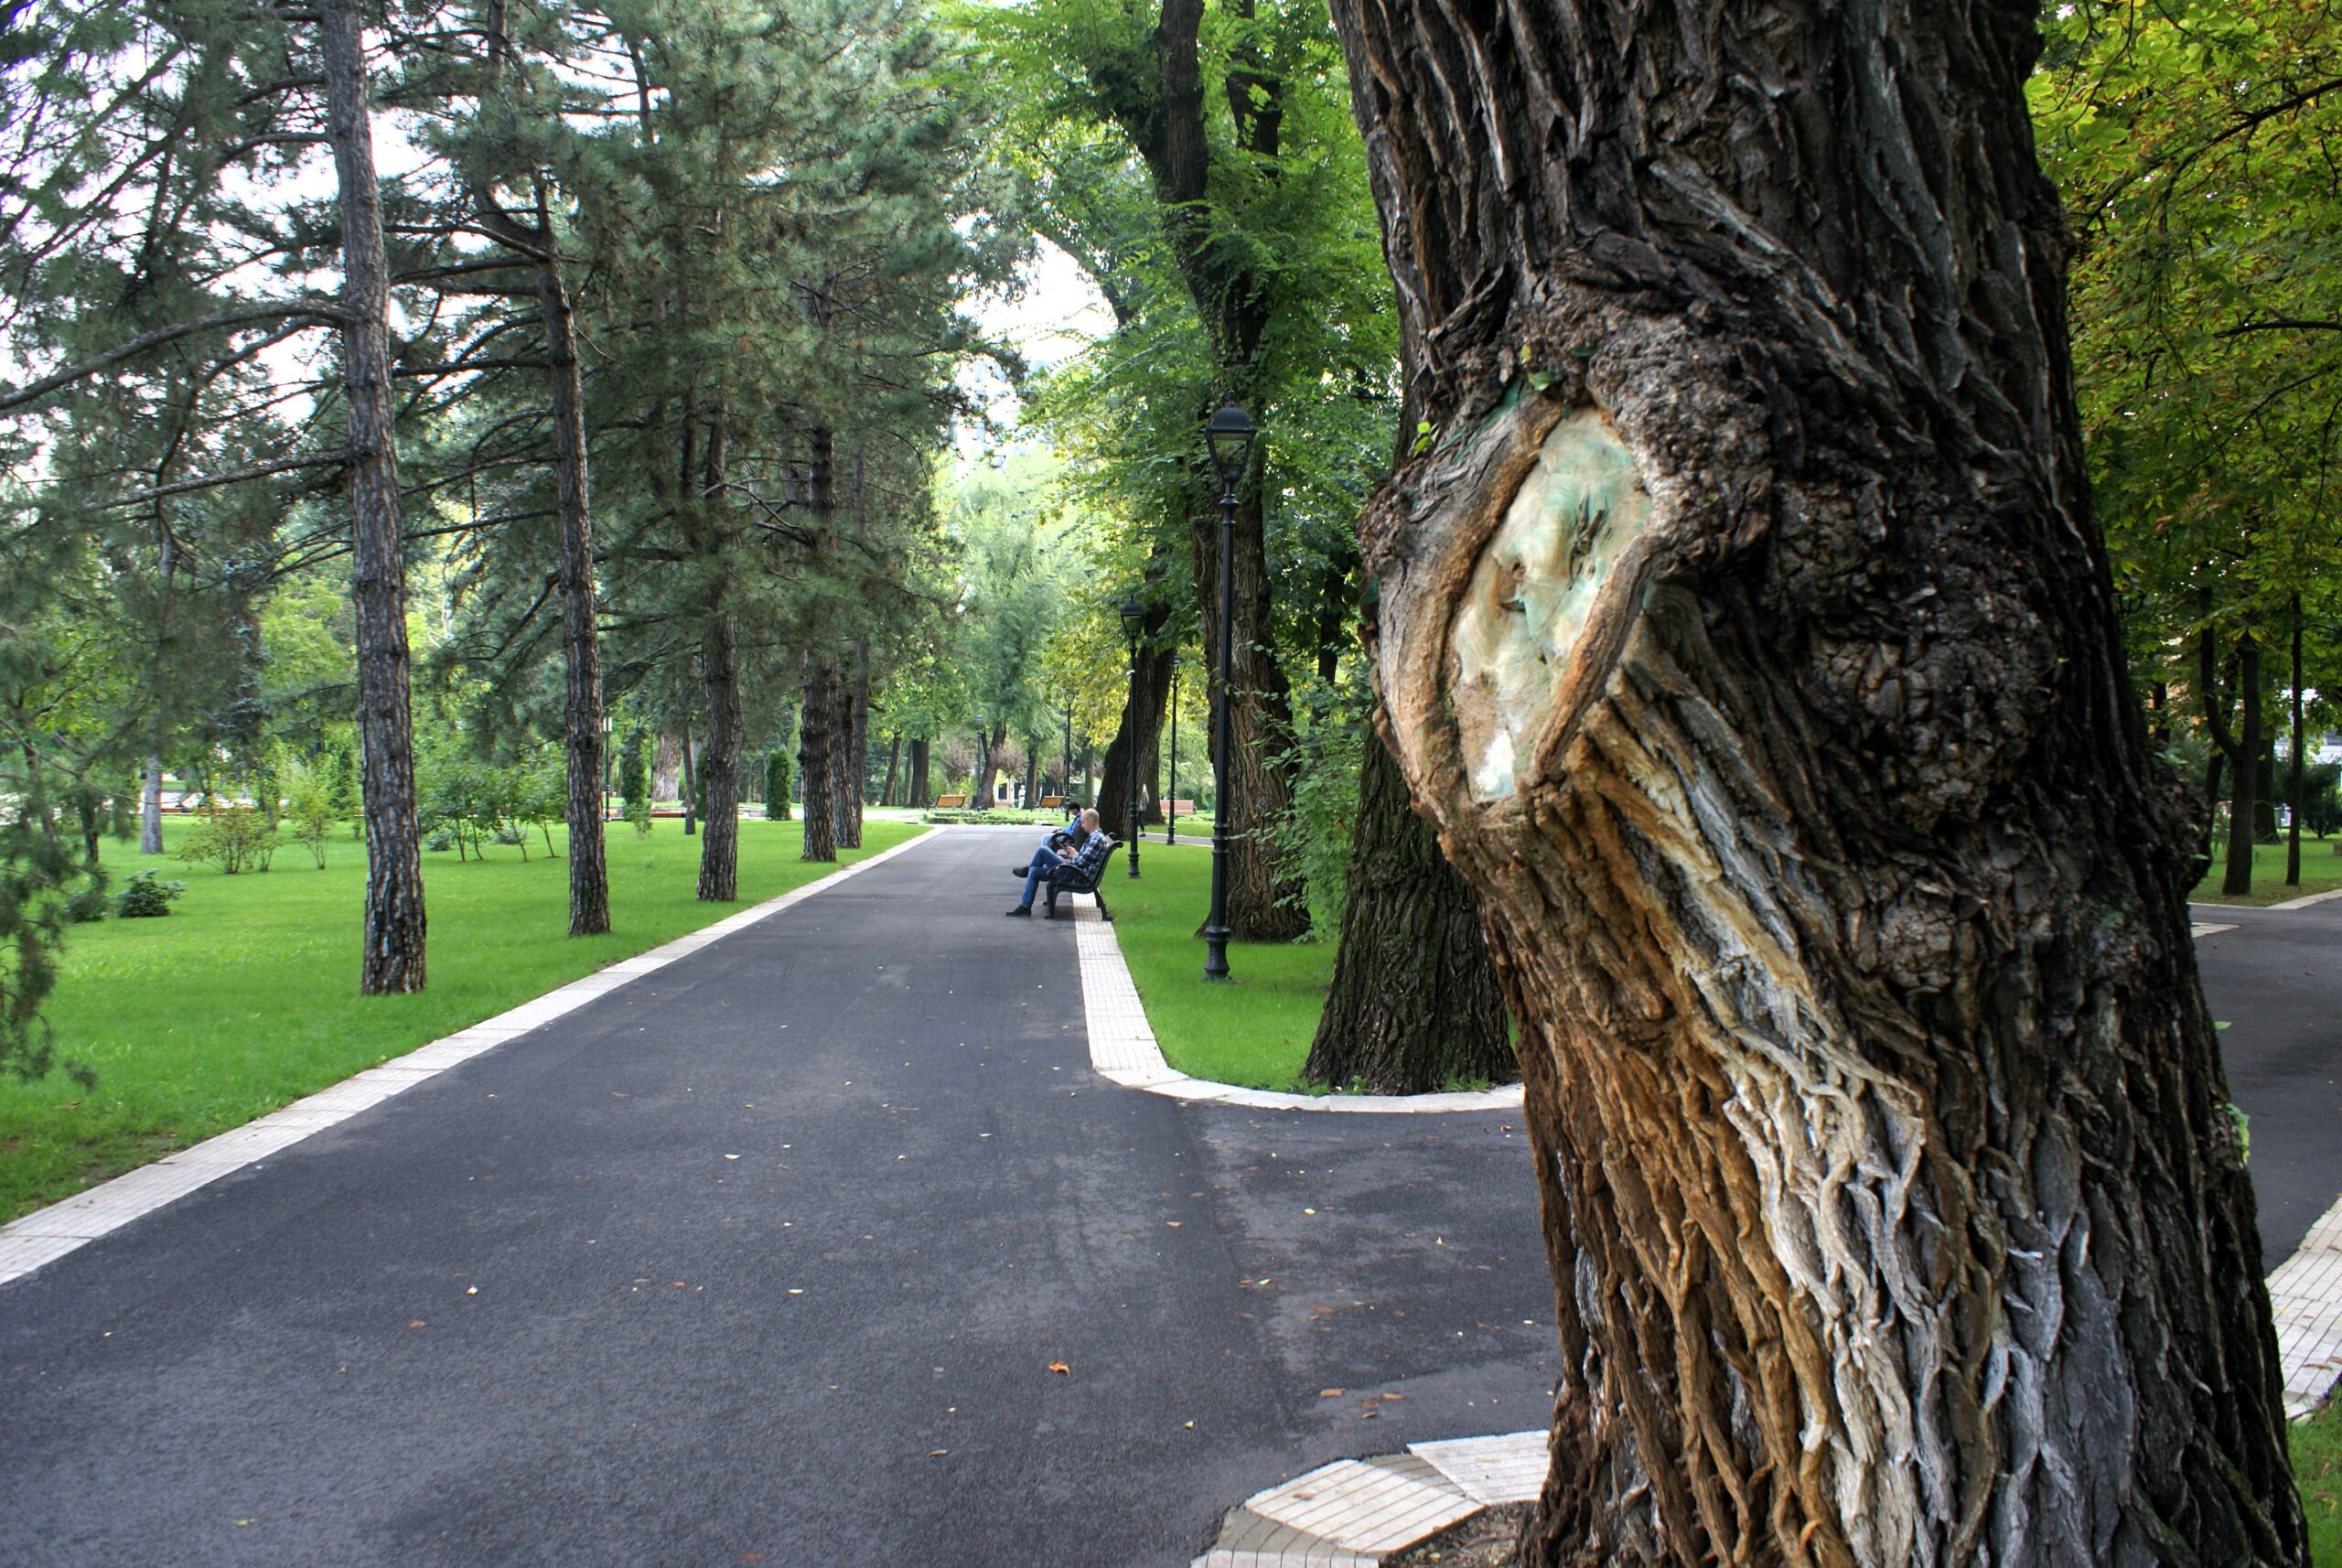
pixel 1533 591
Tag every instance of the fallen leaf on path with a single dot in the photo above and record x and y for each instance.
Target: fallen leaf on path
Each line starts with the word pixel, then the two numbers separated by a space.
pixel 1174 1224
pixel 936 1453
pixel 416 1324
pixel 1331 1393
pixel 1060 1366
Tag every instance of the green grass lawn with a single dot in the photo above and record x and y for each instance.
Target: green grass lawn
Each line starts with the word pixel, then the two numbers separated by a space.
pixel 246 996
pixel 1254 1030
pixel 2321 873
pixel 2317 1467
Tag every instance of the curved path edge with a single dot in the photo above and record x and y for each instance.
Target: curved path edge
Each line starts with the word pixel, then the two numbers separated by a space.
pixel 1123 1045
pixel 1354 1512
pixel 47 1234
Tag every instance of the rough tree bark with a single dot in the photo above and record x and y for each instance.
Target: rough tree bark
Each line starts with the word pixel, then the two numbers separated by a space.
pixel 919 795
pixel 815 717
pixel 540 245
pixel 1747 632
pixel 1414 1001
pixel 392 960
pixel 894 772
pixel 719 764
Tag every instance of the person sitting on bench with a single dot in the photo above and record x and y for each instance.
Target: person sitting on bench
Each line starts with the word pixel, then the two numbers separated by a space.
pixel 1088 853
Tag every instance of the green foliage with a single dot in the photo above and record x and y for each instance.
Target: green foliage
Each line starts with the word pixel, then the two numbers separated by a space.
pixel 36 875
pixel 309 808
pixel 235 838
pixel 634 778
pixel 1330 725
pixel 145 898
pixel 777 784
pixel 2322 798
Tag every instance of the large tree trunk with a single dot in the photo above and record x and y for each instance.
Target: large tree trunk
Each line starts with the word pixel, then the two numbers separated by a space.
pixel 852 721
pixel 980 799
pixel 1414 1002
pixel 589 877
pixel 395 928
pixel 1747 633
pixel 1133 756
pixel 719 764
pixel 919 795
pixel 1167 120
pixel 894 772
pixel 815 717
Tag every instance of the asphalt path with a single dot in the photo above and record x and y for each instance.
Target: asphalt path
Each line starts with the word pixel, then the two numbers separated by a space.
pixel 2275 982
pixel 770 1257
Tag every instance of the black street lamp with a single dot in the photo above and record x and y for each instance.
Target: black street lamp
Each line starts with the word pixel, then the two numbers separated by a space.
pixel 1171 801
pixel 1228 438
pixel 1065 770
pixel 1134 619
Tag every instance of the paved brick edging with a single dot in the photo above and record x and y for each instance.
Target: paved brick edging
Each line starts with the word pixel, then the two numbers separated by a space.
pixel 47 1234
pixel 1122 1047
pixel 1354 1512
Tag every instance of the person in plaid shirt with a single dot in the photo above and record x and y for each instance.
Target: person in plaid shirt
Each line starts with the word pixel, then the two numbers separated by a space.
pixel 1086 855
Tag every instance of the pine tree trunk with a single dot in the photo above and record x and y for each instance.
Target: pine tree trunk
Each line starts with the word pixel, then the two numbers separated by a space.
pixel 1745 632
pixel 1414 1002
pixel 150 809
pixel 688 787
pixel 814 719
pixel 919 795
pixel 392 960
pixel 894 770
pixel 719 765
pixel 589 877
pixel 859 754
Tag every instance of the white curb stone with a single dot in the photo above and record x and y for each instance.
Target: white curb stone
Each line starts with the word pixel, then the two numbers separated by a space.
pixel 1353 1513
pixel 2305 1300
pixel 47 1234
pixel 1122 1047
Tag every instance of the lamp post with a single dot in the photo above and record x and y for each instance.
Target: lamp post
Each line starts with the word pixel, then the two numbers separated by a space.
pixel 1171 801
pixel 1065 770
pixel 1133 617
pixel 1228 438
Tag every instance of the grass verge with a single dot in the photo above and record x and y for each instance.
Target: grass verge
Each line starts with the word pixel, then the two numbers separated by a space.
pixel 1254 1030
pixel 2318 1467
pixel 2321 873
pixel 246 996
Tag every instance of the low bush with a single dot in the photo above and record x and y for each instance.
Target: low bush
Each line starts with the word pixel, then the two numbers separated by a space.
pixel 144 897
pixel 990 819
pixel 233 838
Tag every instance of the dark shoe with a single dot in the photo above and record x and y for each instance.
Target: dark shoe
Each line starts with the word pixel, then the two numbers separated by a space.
pixel 1023 909
pixel 1020 871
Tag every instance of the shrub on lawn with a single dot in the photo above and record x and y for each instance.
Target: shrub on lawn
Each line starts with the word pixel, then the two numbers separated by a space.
pixel 309 809
pixel 233 838
pixel 144 897
pixel 777 784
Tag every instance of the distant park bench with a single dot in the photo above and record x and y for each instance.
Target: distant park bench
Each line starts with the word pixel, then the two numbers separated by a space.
pixel 949 803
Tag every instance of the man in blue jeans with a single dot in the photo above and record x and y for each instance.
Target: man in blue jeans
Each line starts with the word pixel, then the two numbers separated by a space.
pixel 1086 855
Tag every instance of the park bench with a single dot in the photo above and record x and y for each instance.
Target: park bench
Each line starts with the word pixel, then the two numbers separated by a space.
pixel 1079 882
pixel 949 803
